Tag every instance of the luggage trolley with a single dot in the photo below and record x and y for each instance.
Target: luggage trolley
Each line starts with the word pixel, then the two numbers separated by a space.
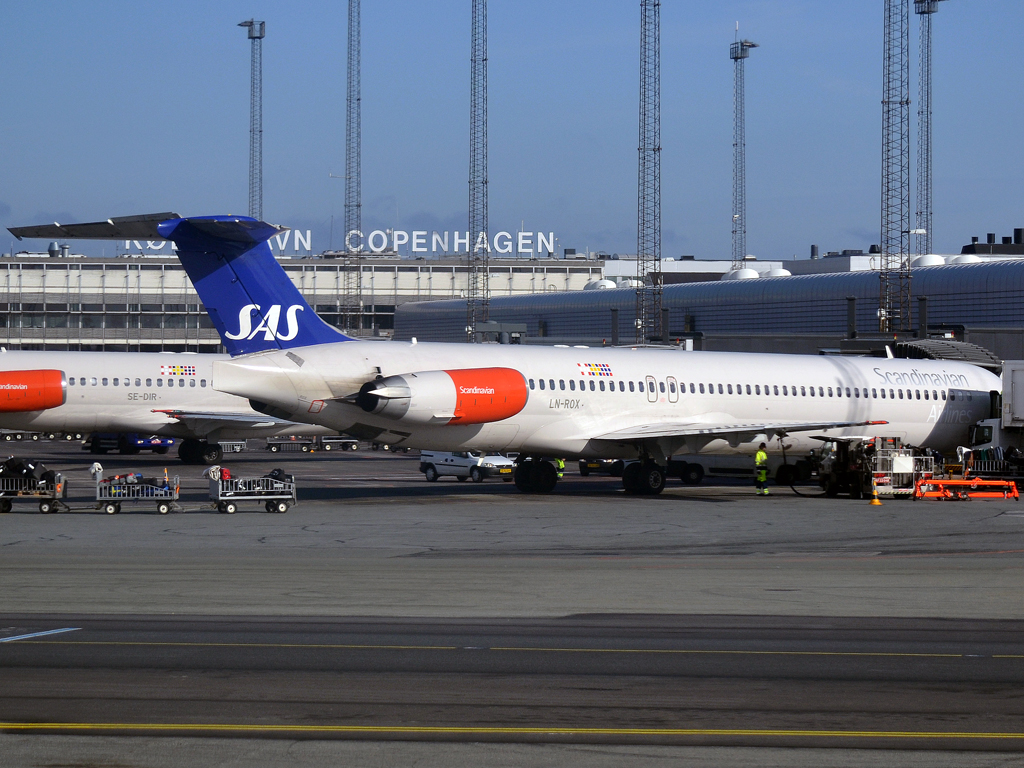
pixel 111 494
pixel 276 495
pixel 48 492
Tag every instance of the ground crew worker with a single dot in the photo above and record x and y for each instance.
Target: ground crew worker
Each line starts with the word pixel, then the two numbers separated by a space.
pixel 560 466
pixel 761 470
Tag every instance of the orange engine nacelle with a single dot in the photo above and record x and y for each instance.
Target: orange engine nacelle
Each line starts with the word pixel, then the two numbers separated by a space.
pixel 31 390
pixel 467 396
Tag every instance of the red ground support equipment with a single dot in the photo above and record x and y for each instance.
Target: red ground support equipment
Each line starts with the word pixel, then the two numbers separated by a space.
pixel 964 490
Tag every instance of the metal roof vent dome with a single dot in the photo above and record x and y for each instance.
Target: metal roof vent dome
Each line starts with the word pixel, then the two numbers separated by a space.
pixel 966 258
pixel 778 272
pixel 743 273
pixel 599 285
pixel 928 260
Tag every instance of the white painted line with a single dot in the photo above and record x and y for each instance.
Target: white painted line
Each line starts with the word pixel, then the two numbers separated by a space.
pixel 38 634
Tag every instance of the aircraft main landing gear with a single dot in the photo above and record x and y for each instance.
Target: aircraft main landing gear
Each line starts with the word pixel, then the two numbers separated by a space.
pixel 199 452
pixel 643 479
pixel 535 476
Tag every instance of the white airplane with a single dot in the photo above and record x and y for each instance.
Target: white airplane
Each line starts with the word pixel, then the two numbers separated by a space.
pixel 542 402
pixel 153 393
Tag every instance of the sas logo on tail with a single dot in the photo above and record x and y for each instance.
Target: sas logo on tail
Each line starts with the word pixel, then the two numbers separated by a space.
pixel 268 323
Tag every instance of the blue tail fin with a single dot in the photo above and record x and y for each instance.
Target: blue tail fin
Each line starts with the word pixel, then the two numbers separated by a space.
pixel 253 304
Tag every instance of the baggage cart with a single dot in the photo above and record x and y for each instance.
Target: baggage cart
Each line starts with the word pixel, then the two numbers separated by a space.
pixel 232 446
pixel 111 494
pixel 276 495
pixel 291 443
pixel 49 493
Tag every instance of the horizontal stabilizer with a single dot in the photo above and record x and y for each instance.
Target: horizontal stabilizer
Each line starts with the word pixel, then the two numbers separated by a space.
pixel 142 227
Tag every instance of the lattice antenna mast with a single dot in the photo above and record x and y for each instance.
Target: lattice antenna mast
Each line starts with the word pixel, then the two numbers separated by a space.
pixel 739 51
pixel 648 248
pixel 352 296
pixel 924 9
pixel 894 277
pixel 257 30
pixel 478 293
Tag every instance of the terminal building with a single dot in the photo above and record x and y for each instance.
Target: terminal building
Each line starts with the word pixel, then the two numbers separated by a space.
pixel 147 303
pixel 981 303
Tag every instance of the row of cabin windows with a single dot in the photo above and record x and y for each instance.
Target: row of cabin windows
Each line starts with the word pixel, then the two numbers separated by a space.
pixel 94 382
pixel 755 389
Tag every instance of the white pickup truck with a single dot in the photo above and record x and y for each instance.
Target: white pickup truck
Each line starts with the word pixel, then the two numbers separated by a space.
pixel 465 464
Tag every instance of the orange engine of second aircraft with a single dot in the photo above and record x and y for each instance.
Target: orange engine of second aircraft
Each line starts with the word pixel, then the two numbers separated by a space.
pixel 31 390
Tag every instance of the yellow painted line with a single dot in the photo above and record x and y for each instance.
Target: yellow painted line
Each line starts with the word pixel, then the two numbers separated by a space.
pixel 520 649
pixel 511 731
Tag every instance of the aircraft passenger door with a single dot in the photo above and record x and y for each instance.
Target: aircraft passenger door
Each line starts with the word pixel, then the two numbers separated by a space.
pixel 652 390
pixel 673 389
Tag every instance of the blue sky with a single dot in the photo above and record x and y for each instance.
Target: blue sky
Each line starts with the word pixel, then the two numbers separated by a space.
pixel 114 108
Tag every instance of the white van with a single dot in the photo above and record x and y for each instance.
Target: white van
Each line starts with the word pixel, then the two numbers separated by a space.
pixel 472 464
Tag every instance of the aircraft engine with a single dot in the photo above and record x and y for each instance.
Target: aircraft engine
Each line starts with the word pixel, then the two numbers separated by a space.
pixel 22 391
pixel 467 396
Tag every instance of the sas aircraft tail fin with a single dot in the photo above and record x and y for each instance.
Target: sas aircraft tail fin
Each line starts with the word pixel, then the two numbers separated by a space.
pixel 253 304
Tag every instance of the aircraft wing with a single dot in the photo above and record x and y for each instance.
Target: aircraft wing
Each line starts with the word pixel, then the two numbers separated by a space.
pixel 735 433
pixel 204 422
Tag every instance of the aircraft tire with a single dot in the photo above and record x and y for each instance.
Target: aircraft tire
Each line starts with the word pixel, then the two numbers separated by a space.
pixel 651 479
pixel 631 479
pixel 188 451
pixel 692 474
pixel 545 477
pixel 522 476
pixel 209 453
